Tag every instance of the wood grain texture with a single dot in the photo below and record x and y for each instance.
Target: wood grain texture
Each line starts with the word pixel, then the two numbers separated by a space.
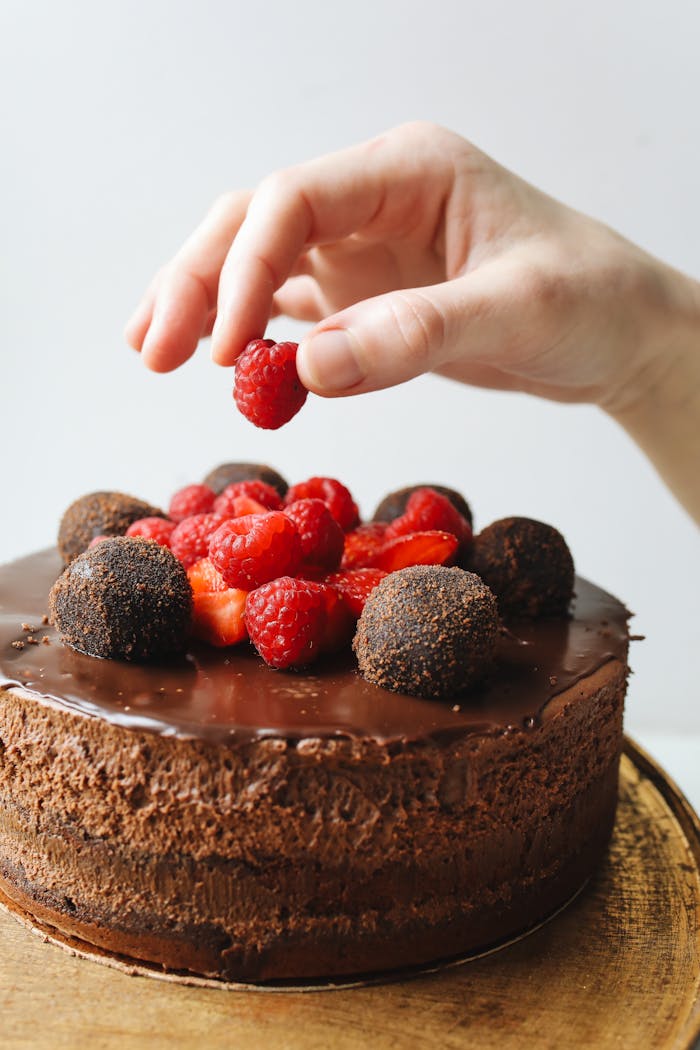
pixel 620 967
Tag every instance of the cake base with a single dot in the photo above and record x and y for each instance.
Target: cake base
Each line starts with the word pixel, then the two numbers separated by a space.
pixel 137 968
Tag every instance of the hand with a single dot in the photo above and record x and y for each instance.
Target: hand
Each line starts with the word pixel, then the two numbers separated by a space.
pixel 416 252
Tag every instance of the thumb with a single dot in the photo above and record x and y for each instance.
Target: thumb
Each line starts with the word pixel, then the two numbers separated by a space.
pixel 386 340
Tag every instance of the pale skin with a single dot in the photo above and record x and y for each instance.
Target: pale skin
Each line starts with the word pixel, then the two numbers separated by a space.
pixel 415 252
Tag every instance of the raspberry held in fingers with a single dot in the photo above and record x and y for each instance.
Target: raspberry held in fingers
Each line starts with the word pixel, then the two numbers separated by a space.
pixel 267 387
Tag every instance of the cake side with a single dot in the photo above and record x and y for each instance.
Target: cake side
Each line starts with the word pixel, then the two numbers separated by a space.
pixel 295 858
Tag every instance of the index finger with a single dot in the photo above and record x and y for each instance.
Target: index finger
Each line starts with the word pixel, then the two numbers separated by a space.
pixel 318 202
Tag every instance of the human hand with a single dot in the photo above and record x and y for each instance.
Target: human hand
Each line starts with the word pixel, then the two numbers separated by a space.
pixel 415 252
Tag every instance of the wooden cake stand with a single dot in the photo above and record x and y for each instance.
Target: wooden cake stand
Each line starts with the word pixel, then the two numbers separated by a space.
pixel 618 967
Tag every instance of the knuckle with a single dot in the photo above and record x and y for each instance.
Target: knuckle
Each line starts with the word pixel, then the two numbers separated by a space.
pixel 421 326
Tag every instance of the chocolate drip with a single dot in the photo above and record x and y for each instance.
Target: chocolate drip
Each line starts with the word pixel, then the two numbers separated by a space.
pixel 230 696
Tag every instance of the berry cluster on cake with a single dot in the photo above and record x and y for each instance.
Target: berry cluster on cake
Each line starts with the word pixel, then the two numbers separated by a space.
pixel 261 740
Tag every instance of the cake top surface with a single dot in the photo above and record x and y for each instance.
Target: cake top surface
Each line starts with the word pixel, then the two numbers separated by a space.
pixel 226 696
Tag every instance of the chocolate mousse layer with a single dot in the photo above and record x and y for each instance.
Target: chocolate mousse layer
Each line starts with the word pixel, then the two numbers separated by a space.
pixel 225 819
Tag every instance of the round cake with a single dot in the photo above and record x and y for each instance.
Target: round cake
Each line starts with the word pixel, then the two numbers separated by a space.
pixel 216 817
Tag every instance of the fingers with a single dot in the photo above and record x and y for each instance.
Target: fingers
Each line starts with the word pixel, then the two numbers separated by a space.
pixel 467 325
pixel 325 200
pixel 178 308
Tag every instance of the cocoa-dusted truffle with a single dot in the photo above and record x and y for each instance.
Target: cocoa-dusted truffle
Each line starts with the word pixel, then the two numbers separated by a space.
pixel 527 565
pixel 428 631
pixel 99 514
pixel 394 504
pixel 228 473
pixel 125 598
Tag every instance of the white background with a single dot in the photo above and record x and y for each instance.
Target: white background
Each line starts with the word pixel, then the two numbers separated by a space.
pixel 120 122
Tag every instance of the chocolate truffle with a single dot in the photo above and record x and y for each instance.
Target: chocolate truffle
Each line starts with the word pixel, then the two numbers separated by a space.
pixel 125 598
pixel 99 514
pixel 393 505
pixel 228 473
pixel 428 631
pixel 527 565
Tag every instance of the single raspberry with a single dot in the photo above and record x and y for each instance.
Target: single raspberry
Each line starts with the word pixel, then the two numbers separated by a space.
pixel 194 499
pixel 428 510
pixel 259 491
pixel 189 541
pixel 256 548
pixel 335 495
pixel 204 578
pixel 418 548
pixel 267 387
pixel 158 529
pixel 362 545
pixel 321 536
pixel 356 586
pixel 286 621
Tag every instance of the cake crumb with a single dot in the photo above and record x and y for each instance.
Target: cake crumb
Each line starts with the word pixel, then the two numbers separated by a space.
pixel 31 640
pixel 456 707
pixel 46 640
pixel 553 679
pixel 28 627
pixel 45 619
pixel 18 645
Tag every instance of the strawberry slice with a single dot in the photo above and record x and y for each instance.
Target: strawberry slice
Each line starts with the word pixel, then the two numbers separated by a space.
pixel 217 612
pixel 217 617
pixel 355 586
pixel 362 546
pixel 417 548
pixel 339 624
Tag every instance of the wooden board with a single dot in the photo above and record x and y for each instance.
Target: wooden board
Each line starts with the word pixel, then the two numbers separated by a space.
pixel 619 967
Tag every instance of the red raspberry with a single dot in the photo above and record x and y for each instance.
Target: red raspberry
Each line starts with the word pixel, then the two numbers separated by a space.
pixel 418 548
pixel 321 536
pixel 335 495
pixel 429 511
pixel 194 499
pixel 256 548
pixel 267 387
pixel 356 586
pixel 260 491
pixel 190 540
pixel 158 529
pixel 287 621
pixel 362 545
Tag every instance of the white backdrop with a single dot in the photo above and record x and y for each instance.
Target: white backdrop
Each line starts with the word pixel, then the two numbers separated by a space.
pixel 119 124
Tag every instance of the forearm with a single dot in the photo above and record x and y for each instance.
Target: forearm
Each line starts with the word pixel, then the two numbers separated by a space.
pixel 663 415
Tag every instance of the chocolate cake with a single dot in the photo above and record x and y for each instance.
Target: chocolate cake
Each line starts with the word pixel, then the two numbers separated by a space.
pixel 216 817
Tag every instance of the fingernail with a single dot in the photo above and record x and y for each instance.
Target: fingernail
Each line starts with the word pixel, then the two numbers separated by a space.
pixel 330 360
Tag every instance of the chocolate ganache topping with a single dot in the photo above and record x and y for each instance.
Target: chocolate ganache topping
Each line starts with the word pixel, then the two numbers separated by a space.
pixel 230 696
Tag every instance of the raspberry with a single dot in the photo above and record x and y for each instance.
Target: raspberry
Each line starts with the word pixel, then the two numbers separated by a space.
pixel 97 539
pixel 158 529
pixel 259 491
pixel 418 548
pixel 321 536
pixel 256 548
pixel 286 620
pixel 335 495
pixel 267 387
pixel 190 540
pixel 356 586
pixel 362 545
pixel 428 510
pixel 194 499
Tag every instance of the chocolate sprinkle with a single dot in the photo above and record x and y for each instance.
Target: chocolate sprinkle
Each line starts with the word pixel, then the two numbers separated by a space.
pixel 125 598
pixel 393 505
pixel 99 514
pixel 228 473
pixel 428 631
pixel 527 565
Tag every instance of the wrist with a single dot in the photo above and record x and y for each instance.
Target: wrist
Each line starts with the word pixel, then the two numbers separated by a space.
pixel 659 406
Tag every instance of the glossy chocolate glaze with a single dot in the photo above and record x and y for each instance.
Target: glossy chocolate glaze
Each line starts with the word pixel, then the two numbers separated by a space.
pixel 230 696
